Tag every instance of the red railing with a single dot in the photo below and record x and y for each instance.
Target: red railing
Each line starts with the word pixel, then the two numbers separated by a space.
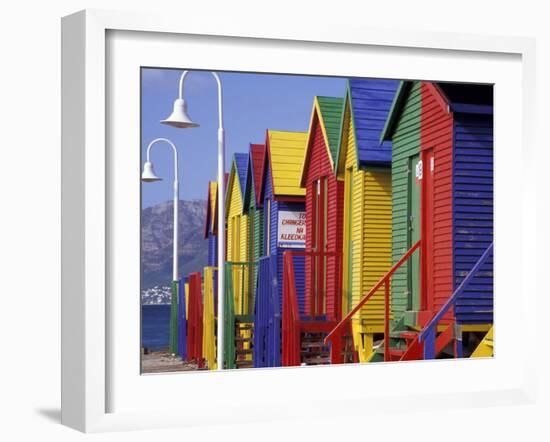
pixel 385 280
pixel 292 317
pixel 194 321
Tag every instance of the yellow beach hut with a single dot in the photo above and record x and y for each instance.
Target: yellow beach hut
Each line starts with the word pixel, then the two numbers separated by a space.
pixel 365 167
pixel 239 295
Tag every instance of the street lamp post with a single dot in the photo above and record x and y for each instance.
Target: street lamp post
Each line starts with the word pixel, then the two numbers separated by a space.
pixel 180 119
pixel 149 176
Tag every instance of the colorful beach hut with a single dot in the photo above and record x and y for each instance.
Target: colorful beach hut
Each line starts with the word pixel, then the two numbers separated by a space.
pixel 283 202
pixel 363 167
pixel 442 167
pixel 195 320
pixel 239 301
pixel 253 207
pixel 324 206
pixel 322 305
pixel 210 224
pixel 210 276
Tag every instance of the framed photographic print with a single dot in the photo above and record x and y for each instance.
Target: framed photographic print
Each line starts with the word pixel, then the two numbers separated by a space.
pixel 318 224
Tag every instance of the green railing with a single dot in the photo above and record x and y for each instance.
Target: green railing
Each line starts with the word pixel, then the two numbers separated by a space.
pixel 240 285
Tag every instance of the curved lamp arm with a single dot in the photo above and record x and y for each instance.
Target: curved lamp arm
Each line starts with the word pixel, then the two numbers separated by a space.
pixel 221 217
pixel 165 140
pixel 217 78
pixel 175 260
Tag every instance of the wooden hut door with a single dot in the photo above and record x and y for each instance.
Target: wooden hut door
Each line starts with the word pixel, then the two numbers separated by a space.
pixel 319 267
pixel 415 178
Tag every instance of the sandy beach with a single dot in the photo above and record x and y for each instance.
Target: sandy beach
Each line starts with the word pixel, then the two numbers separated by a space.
pixel 163 362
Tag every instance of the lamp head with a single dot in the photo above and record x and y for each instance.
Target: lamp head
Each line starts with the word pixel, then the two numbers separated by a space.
pixel 179 117
pixel 148 174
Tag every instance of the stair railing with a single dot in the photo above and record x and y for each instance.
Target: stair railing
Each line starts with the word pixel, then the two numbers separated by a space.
pixel 429 331
pixel 384 281
pixel 209 318
pixel 229 320
pixel 291 314
pixel 240 284
pixel 291 311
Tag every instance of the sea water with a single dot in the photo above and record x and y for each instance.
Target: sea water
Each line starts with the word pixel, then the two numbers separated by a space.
pixel 155 326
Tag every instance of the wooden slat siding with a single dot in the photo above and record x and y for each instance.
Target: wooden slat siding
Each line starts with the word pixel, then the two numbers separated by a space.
pixel 318 167
pixel 311 188
pixel 267 318
pixel 208 215
pixel 209 233
pixel 212 250
pixel 371 102
pixel 377 238
pixel 261 316
pixel 473 214
pixel 405 143
pixel 368 241
pixel 319 160
pixel 437 133
pixel 331 111
pixel 335 237
pixel 239 253
pixel 276 253
pixel 258 153
pixel 213 198
pixel 356 234
pixel 286 154
pixel 256 157
pixel 366 196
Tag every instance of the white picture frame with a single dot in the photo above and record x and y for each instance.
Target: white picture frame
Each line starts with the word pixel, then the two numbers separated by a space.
pixel 87 356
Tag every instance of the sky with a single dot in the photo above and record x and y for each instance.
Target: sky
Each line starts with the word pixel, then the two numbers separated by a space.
pixel 252 104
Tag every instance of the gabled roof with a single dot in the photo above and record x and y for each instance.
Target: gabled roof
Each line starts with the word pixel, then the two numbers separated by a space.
pixel 457 97
pixel 211 221
pixel 241 163
pixel 369 102
pixel 285 157
pixel 239 166
pixel 211 203
pixel 328 112
pixel 257 163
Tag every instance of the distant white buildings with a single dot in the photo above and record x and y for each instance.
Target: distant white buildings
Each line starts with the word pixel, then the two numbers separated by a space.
pixel 156 295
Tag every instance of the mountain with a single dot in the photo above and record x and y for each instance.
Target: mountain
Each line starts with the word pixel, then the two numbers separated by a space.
pixel 156 241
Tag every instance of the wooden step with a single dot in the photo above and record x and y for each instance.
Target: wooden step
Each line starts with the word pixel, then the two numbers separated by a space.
pixel 314 344
pixel 244 326
pixel 316 360
pixel 395 355
pixel 315 352
pixel 244 340
pixel 244 364
pixel 244 351
pixel 409 335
